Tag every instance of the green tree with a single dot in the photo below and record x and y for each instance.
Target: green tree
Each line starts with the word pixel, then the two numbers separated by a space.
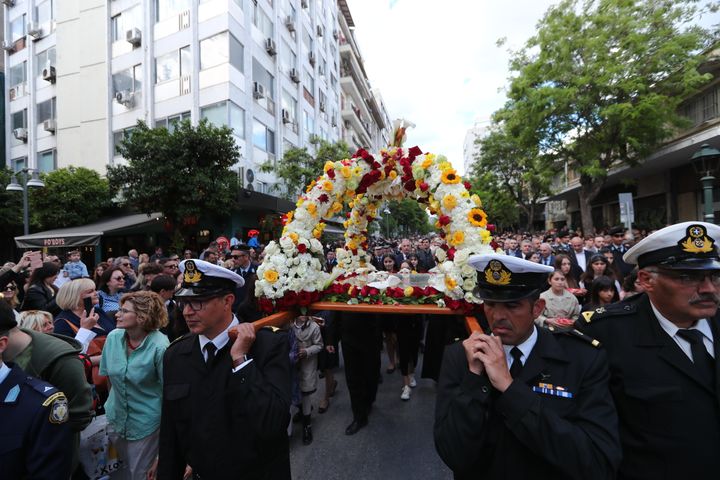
pixel 298 167
pixel 72 196
pixel 184 173
pixel 599 84
pixel 11 215
pixel 509 174
pixel 406 217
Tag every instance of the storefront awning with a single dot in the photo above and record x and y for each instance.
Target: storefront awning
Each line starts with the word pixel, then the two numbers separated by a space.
pixel 86 235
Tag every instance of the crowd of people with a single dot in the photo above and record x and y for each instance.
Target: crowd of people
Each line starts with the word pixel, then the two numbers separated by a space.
pixel 146 338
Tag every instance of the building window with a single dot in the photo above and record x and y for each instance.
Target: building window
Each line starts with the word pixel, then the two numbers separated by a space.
pixel 226 113
pixel 262 21
pixel 18 28
pixel 170 122
pixel 18 120
pixel 308 41
pixel 119 136
pixel 263 137
pixel 264 78
pixel 47 161
pixel 289 104
pixel 309 82
pixel 167 8
pixel 44 13
pixel 173 65
pixel 288 59
pixel 129 80
pixel 46 110
pixel 44 58
pixel 127 20
pixel 309 123
pixel 18 163
pixel 219 49
pixel 17 74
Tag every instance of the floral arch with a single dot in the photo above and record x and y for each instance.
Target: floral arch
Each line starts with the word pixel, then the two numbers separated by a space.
pixel 291 273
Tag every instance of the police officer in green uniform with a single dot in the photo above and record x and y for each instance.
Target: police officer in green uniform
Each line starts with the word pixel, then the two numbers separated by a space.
pixel 36 439
pixel 226 403
pixel 663 347
pixel 524 401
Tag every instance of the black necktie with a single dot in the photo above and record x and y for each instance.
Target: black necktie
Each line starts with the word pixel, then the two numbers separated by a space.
pixel 517 365
pixel 210 349
pixel 701 358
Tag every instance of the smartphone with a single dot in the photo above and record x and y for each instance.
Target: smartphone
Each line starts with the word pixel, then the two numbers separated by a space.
pixel 88 304
pixel 35 260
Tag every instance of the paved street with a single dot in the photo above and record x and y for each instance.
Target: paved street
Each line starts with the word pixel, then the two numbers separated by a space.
pixel 397 444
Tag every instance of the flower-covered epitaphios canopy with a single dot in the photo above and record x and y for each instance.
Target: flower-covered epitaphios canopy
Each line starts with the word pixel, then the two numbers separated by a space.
pixel 291 273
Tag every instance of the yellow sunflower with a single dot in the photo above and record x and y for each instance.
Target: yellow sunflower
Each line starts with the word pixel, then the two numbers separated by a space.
pixel 456 238
pixel 477 217
pixel 427 162
pixel 450 176
pixel 449 201
pixel 327 186
pixel 271 276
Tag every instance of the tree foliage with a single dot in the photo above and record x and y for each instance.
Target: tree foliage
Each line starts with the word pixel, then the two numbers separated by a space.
pixel 72 196
pixel 406 217
pixel 600 83
pixel 298 167
pixel 11 213
pixel 184 173
pixel 508 174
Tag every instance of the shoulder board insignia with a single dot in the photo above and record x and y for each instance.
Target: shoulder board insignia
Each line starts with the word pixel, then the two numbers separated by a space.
pixel 587 316
pixel 271 328
pixel 52 398
pixel 600 310
pixel 43 388
pixel 574 332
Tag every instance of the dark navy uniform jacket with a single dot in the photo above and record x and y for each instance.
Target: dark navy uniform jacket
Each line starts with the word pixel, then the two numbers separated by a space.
pixel 35 438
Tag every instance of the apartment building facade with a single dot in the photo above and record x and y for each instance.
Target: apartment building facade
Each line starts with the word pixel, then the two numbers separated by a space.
pixel 81 74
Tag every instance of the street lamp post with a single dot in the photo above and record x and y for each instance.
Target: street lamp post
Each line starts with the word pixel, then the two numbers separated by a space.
pixel 705 163
pixel 14 186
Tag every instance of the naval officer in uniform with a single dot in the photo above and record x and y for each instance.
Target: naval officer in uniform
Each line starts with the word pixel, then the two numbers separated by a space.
pixel 523 401
pixel 226 402
pixel 663 347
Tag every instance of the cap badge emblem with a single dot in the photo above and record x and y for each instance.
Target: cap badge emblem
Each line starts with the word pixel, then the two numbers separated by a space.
pixel 696 240
pixel 192 274
pixel 496 274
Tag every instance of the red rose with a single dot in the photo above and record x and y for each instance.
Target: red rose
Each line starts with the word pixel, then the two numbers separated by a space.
pixel 265 304
pixel 444 220
pixel 451 254
pixel 376 165
pixel 490 227
pixel 374 291
pixel 424 187
pixel 331 173
pixel 395 292
pixel 323 198
pixel 409 185
pixel 365 291
pixel 405 162
pixel 302 248
pixel 429 291
pixel 360 153
pixel 452 304
pixel 414 151
pixel 467 185
pixel 288 300
pixel 305 298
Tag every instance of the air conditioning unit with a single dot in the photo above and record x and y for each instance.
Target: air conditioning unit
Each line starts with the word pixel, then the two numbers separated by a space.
pixel 258 90
pixel 49 125
pixel 304 3
pixel 311 58
pixel 20 134
pixel 13 93
pixel 294 75
pixel 34 30
pixel 322 106
pixel 333 122
pixel 124 97
pixel 286 116
pixel 9 3
pixel 184 19
pixel 184 84
pixel 134 36
pixel 270 46
pixel 321 70
pixel 319 30
pixel 290 23
pixel 336 35
pixel 8 46
pixel 48 73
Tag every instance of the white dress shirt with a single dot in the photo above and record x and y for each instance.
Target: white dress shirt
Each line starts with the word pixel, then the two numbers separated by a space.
pixel 220 341
pixel 525 347
pixel 671 329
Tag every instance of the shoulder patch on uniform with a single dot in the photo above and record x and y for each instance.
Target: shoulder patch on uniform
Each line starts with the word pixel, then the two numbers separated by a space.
pixel 12 394
pixel 52 398
pixel 59 412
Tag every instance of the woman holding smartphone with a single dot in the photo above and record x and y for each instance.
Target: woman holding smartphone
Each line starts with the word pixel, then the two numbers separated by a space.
pixel 41 291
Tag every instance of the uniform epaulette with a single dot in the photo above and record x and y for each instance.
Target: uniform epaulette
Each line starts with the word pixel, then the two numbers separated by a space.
pixel 574 332
pixel 43 388
pixel 177 340
pixel 272 329
pixel 622 308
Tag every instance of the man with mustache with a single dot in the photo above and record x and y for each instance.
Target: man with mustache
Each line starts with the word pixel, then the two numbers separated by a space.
pixel 663 347
pixel 524 401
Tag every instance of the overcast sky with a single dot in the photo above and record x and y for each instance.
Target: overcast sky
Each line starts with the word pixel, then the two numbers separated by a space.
pixel 437 63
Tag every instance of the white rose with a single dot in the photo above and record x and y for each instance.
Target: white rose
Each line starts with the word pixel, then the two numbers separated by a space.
pixel 468 285
pixel 315 245
pixel 461 256
pixel 440 255
pixel 286 243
